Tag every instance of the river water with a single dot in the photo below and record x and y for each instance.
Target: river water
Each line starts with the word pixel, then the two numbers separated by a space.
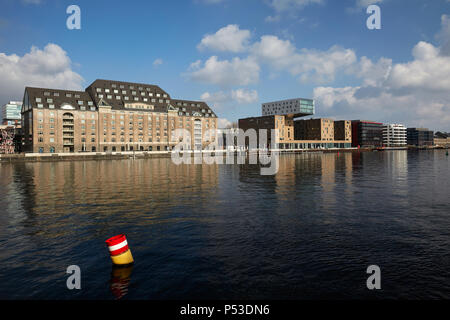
pixel 227 232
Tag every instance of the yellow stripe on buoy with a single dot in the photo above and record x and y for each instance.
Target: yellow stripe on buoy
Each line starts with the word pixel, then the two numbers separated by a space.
pixel 123 258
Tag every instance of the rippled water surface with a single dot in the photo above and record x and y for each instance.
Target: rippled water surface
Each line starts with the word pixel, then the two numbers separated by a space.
pixel 225 231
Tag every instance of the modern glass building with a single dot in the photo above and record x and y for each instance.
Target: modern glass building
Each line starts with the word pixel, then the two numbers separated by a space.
pixel 419 137
pixel 367 134
pixel 11 113
pixel 297 107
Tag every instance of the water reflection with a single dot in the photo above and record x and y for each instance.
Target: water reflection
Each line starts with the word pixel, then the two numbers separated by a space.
pixel 120 280
pixel 328 180
pixel 397 169
pixel 225 231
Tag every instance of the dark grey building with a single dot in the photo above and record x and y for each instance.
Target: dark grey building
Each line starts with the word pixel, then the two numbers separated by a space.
pixel 419 137
pixel 367 134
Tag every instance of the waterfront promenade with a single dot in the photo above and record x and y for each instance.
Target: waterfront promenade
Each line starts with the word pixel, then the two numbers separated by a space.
pixel 33 157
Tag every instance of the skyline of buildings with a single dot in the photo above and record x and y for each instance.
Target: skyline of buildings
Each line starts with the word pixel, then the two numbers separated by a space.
pixel 123 116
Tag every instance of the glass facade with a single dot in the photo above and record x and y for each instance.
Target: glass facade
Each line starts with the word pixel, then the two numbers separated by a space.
pixel 420 137
pixel 11 113
pixel 298 106
pixel 367 134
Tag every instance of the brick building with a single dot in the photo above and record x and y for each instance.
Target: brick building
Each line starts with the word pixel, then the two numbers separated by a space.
pixel 111 116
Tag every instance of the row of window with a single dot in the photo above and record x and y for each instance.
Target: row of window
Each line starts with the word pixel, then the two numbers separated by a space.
pixel 141 91
pixel 126 98
pixel 114 148
pixel 68 95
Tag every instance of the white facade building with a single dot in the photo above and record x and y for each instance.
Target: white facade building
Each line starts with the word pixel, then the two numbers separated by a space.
pixel 394 135
pixel 10 113
pixel 297 107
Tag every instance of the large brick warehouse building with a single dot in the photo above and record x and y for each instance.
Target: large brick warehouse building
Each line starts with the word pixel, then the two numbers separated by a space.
pixel 111 116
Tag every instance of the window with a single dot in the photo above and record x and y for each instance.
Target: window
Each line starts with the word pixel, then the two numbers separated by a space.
pixel 38 100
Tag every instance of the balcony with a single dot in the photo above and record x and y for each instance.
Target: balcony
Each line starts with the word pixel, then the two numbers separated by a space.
pixel 68 142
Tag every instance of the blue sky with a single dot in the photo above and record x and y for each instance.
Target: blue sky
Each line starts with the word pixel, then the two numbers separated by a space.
pixel 237 54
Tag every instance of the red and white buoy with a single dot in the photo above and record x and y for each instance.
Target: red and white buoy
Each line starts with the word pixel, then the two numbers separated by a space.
pixel 119 251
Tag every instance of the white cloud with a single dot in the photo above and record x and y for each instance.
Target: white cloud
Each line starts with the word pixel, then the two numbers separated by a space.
pixel 216 99
pixel 229 38
pixel 225 73
pixel 373 74
pixel 329 96
pixel 429 70
pixel 157 62
pixel 50 68
pixel 444 35
pixel 416 93
pixel 243 96
pixel 223 123
pixel 310 65
pixel 221 99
